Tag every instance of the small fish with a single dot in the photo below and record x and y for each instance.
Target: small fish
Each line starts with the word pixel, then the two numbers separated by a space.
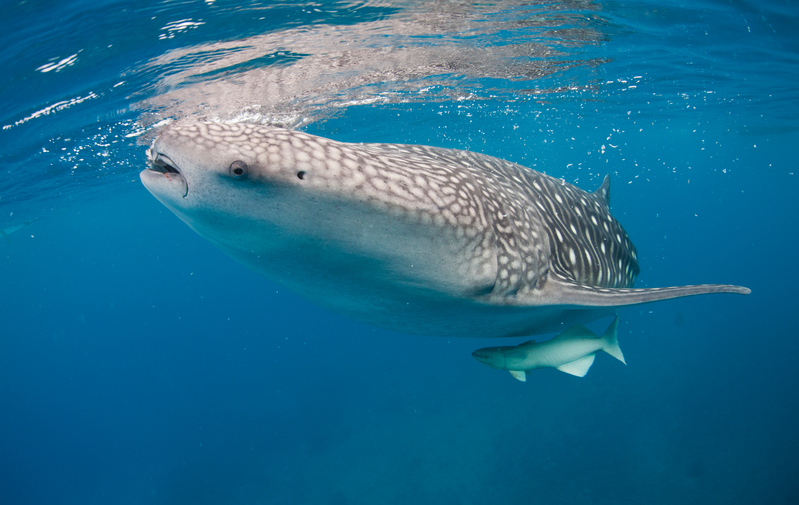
pixel 572 352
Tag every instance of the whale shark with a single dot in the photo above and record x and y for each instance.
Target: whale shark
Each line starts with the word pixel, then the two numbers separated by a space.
pixel 415 239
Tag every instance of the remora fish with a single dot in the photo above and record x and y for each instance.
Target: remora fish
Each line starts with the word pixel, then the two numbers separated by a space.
pixel 572 352
pixel 414 239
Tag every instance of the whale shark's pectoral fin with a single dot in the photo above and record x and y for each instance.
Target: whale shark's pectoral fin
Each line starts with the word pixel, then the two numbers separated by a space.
pixel 560 291
pixel 519 375
pixel 578 367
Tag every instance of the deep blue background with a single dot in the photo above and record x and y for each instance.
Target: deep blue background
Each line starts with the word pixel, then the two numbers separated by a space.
pixel 140 365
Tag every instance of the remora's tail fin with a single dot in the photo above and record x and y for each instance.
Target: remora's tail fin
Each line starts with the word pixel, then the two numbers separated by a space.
pixel 612 341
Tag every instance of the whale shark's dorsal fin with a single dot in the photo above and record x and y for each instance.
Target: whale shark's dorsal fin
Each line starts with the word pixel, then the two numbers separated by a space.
pixel 603 191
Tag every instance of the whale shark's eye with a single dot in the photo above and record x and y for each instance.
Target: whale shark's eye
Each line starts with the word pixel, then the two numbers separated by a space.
pixel 238 169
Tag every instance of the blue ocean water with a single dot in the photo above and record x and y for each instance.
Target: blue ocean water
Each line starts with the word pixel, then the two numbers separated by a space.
pixel 138 364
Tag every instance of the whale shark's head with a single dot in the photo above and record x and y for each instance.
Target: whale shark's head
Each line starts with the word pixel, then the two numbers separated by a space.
pixel 219 178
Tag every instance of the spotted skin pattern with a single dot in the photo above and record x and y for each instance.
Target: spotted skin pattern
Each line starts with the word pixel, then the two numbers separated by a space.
pixel 489 232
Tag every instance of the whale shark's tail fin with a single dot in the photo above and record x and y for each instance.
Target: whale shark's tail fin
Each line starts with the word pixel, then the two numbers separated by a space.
pixel 612 341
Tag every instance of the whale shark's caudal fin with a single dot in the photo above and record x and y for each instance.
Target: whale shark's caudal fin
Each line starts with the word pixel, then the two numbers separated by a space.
pixel 612 341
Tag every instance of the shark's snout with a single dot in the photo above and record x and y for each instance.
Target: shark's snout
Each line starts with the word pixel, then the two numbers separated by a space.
pixel 479 355
pixel 490 356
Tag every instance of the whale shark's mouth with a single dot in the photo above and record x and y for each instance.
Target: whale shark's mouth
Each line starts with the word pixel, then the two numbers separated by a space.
pixel 162 164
